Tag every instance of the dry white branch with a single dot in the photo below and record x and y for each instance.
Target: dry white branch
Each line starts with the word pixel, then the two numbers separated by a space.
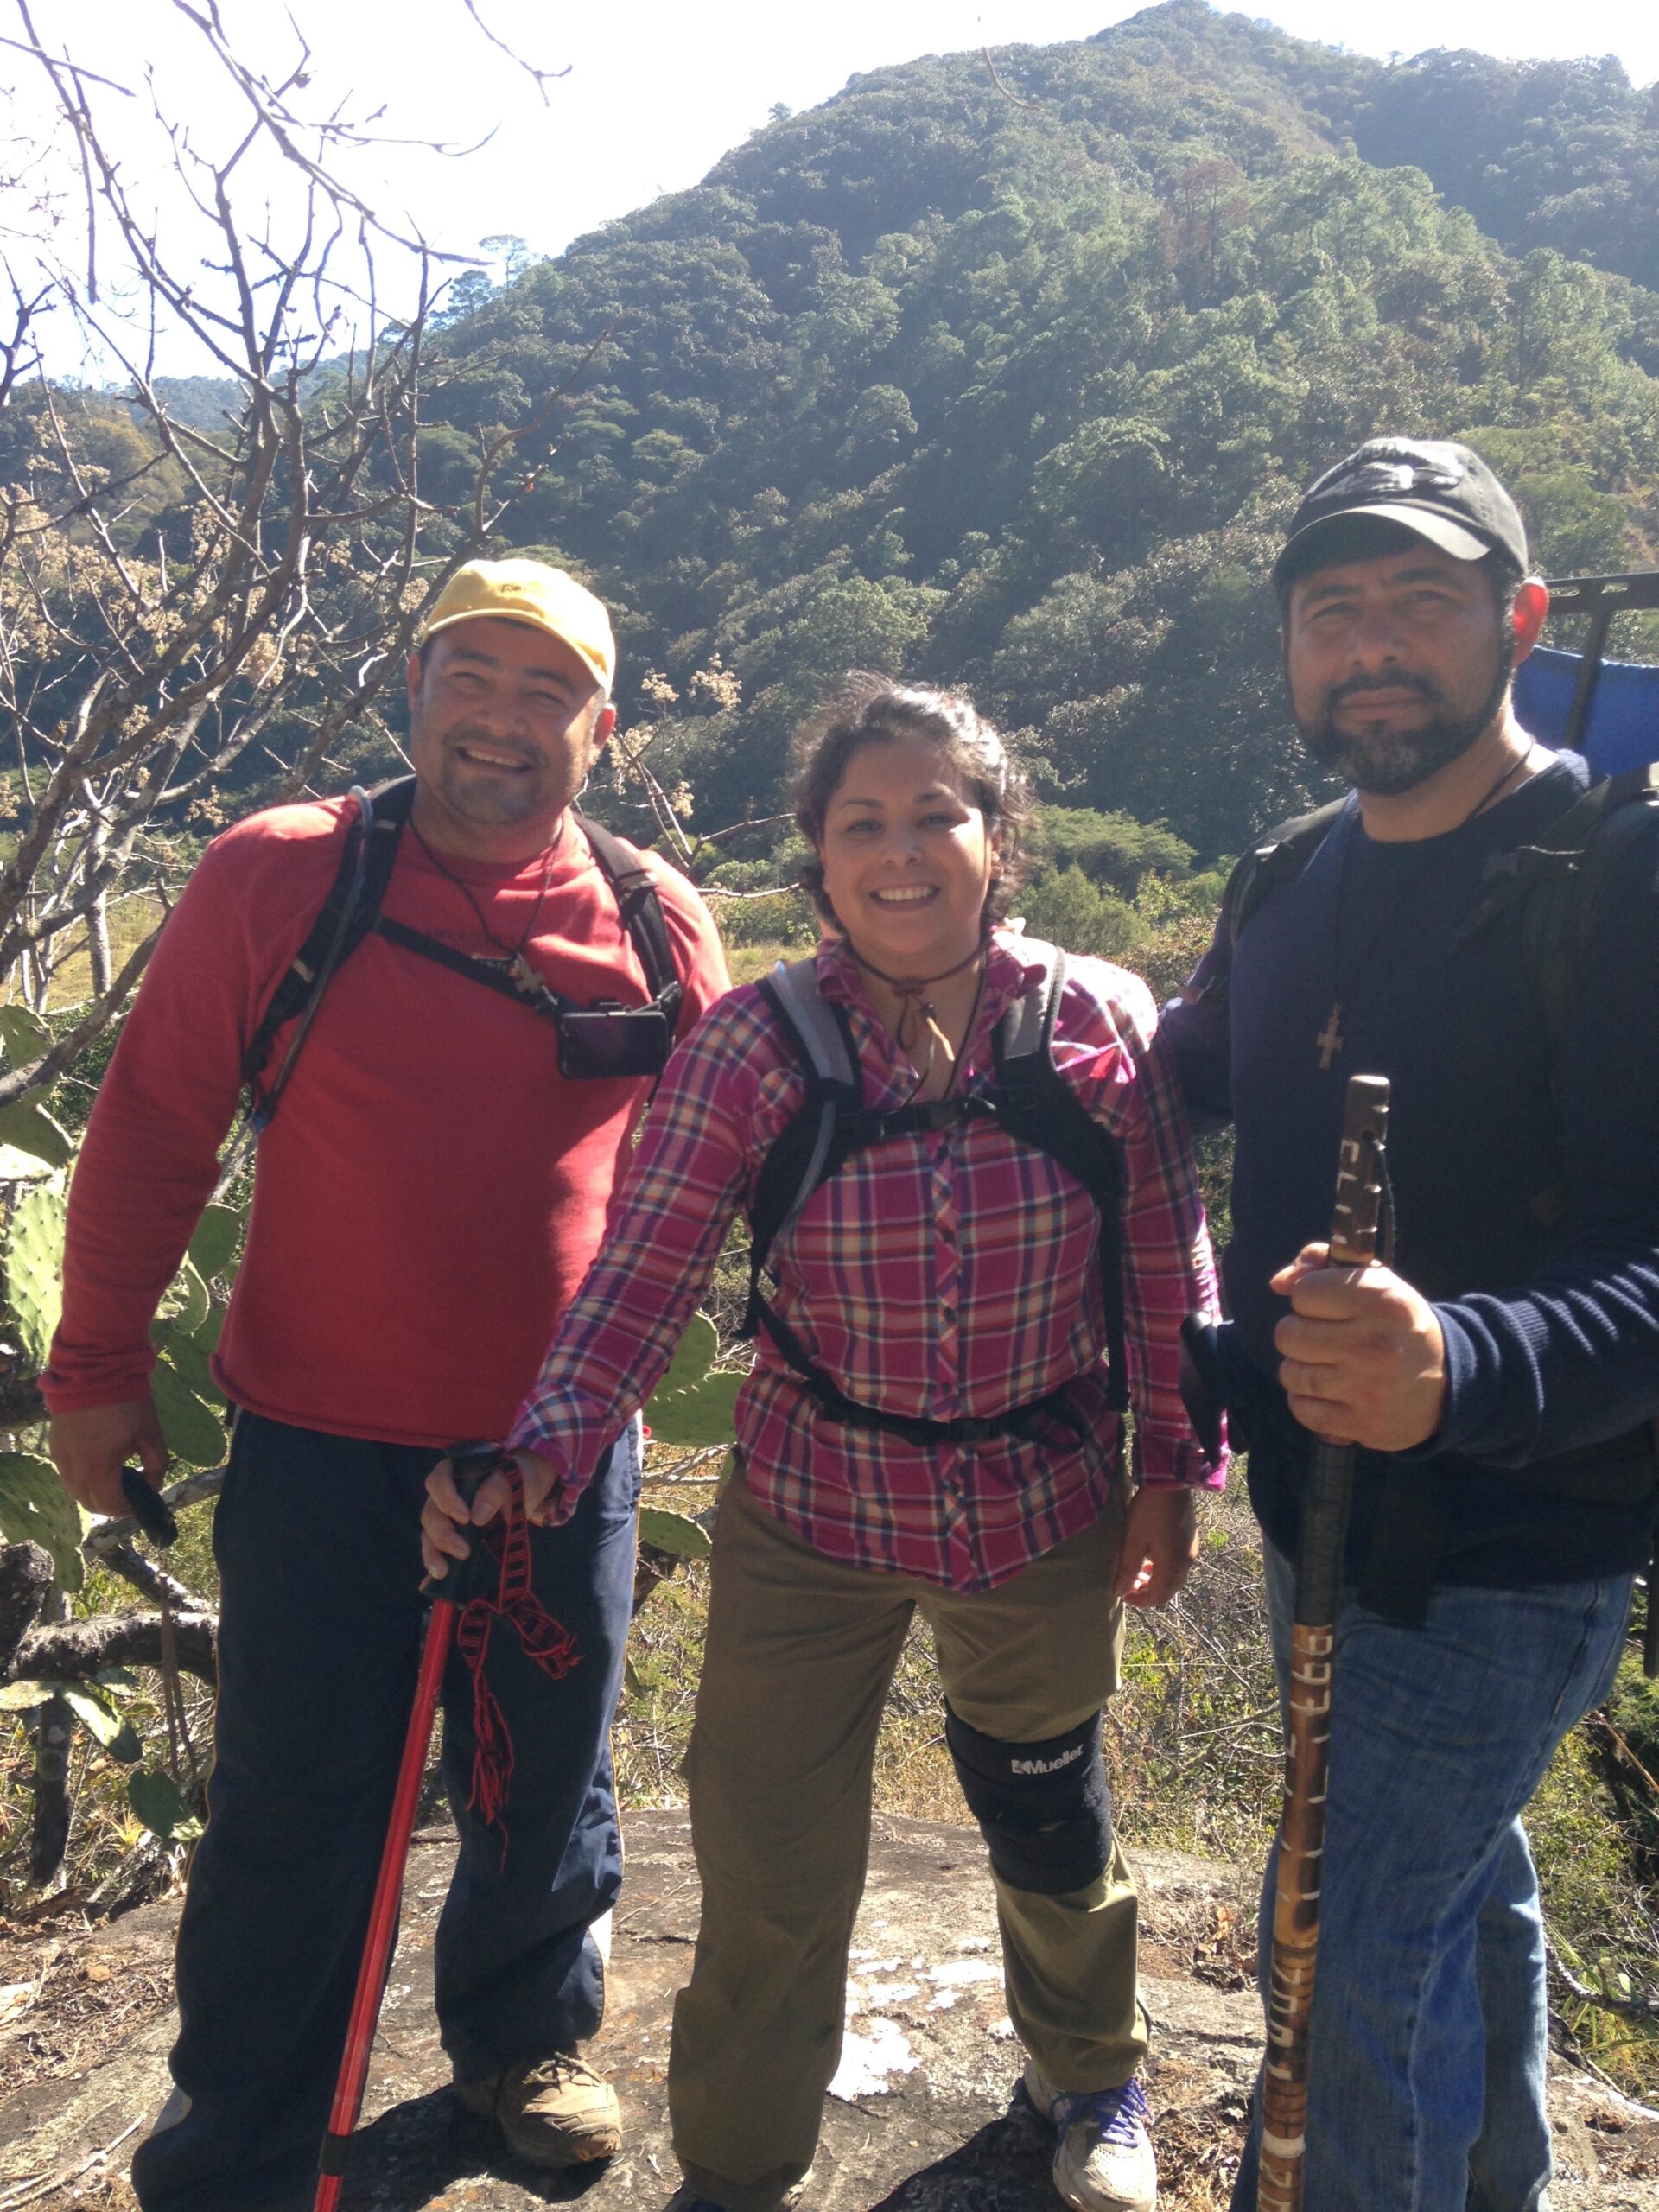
pixel 176 599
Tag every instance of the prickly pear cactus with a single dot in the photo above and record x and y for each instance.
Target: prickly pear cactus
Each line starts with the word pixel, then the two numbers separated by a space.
pixel 31 1143
pixel 34 1265
pixel 193 1431
pixel 693 1404
pixel 186 1330
pixel 23 1036
pixel 36 1508
pixel 185 1306
pixel 676 1534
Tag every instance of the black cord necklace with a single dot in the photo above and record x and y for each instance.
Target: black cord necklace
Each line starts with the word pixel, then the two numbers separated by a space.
pixel 513 956
pixel 918 1014
pixel 1330 1039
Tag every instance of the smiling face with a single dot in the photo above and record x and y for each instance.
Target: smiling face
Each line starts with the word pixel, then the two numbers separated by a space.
pixel 505 722
pixel 1397 664
pixel 907 858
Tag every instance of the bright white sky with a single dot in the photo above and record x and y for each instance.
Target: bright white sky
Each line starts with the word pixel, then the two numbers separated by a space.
pixel 658 89
pixel 659 92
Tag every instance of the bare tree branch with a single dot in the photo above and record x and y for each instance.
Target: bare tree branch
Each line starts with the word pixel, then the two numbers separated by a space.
pixel 1013 99
pixel 1639 2006
pixel 542 77
pixel 73 1651
pixel 175 594
pixel 32 47
pixel 18 1082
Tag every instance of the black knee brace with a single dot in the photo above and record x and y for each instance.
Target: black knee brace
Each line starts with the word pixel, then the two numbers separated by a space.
pixel 1043 1809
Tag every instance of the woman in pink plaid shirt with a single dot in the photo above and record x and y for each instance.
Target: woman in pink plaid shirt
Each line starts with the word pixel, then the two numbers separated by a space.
pixel 944 1280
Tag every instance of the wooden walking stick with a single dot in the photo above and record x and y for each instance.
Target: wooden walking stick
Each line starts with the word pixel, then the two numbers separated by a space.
pixel 1313 1634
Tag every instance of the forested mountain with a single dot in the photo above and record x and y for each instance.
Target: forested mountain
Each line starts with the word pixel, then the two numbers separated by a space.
pixel 1009 376
pixel 1563 154
pixel 1006 372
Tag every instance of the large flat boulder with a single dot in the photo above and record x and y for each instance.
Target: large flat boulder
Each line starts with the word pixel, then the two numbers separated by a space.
pixel 925 2115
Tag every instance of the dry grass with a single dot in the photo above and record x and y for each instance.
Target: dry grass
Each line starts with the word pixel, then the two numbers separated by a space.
pixel 132 917
pixel 748 963
pixel 85 2001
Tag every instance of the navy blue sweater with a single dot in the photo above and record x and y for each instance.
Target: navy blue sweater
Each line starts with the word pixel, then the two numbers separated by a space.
pixel 1533 1228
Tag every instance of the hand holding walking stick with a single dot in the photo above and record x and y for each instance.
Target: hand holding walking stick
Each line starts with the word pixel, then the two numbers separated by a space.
pixel 1319 1590
pixel 472 1463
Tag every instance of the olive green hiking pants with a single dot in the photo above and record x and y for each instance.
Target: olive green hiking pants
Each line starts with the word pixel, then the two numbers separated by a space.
pixel 800 1652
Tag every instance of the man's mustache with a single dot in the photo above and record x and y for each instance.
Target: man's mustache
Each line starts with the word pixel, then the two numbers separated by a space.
pixel 470 733
pixel 1407 680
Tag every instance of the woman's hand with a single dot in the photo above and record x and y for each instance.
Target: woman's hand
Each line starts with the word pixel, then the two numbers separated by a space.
pixel 447 1514
pixel 1160 1542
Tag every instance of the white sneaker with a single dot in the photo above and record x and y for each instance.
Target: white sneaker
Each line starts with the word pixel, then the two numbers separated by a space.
pixel 1104 2161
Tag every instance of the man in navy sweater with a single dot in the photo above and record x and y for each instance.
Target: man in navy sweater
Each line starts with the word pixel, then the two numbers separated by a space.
pixel 1501 1376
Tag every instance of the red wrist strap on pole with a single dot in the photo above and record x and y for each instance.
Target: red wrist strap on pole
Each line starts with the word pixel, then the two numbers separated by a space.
pixel 466 1622
pixel 544 1640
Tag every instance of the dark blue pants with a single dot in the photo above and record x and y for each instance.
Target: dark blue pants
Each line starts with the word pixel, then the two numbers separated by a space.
pixel 317 1540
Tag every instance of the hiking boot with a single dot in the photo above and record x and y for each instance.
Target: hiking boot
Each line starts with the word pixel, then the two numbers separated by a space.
pixel 1104 2161
pixel 554 2111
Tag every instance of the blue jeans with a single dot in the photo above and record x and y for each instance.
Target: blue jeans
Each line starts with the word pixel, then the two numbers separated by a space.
pixel 1426 2088
pixel 317 1539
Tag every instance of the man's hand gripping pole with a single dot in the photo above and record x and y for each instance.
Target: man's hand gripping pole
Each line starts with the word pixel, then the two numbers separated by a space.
pixel 1319 1590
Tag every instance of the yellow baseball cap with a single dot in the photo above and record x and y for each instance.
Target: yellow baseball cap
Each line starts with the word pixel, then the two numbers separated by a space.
pixel 529 591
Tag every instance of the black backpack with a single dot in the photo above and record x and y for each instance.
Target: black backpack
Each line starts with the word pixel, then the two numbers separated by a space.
pixel 1030 1100
pixel 352 910
pixel 1560 887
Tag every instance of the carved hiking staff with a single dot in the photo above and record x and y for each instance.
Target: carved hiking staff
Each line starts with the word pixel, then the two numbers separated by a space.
pixel 1318 1590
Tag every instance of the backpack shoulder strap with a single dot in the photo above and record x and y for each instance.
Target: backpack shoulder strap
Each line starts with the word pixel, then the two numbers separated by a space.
pixel 1279 858
pixel 822 1041
pixel 1023 1045
pixel 815 1029
pixel 1561 885
pixel 641 909
pixel 1036 1104
pixel 1562 911
pixel 345 919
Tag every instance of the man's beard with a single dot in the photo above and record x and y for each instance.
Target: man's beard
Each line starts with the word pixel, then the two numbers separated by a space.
pixel 490 801
pixel 1385 762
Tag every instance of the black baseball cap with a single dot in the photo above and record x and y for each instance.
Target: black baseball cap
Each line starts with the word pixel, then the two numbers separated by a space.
pixel 1441 492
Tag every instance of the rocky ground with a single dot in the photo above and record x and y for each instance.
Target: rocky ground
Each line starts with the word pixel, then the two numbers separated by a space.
pixel 925 2116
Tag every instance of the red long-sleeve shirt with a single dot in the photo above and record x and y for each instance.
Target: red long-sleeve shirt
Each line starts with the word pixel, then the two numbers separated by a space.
pixel 432 1190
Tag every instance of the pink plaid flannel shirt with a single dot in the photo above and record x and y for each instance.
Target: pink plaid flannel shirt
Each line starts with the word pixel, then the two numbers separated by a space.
pixel 936 1275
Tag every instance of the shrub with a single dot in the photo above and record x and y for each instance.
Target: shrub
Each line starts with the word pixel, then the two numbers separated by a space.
pixel 1062 905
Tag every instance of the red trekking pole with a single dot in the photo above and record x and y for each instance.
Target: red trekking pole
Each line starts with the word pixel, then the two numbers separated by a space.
pixel 472 1463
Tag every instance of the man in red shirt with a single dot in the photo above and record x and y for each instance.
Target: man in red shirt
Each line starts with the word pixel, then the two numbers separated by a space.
pixel 425 1203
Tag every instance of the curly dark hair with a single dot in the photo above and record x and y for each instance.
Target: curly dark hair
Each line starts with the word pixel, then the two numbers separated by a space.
pixel 868 709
